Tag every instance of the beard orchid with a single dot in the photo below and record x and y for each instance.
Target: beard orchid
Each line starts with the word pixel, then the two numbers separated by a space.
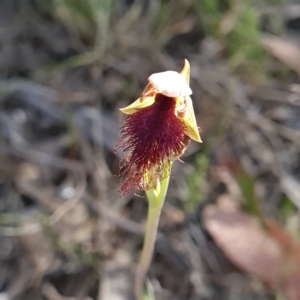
pixel 157 129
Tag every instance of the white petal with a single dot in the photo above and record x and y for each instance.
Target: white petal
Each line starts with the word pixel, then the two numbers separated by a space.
pixel 170 84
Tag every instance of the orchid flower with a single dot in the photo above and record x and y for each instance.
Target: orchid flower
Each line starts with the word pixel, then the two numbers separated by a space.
pixel 157 130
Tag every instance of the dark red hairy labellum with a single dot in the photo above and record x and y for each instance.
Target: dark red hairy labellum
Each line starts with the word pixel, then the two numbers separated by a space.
pixel 151 138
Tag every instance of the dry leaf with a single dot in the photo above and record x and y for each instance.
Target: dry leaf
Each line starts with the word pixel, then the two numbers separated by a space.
pixel 266 252
pixel 291 286
pixel 291 266
pixel 244 243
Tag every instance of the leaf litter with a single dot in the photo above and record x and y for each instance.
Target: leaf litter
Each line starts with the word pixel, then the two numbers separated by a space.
pixel 66 233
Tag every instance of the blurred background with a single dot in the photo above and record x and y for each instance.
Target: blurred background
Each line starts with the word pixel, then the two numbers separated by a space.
pixel 230 227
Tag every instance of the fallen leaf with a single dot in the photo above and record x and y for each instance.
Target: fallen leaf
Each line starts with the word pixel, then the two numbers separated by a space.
pixel 244 243
pixel 291 287
pixel 265 251
pixel 290 276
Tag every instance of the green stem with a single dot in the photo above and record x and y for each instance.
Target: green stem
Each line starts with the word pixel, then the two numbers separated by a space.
pixel 156 198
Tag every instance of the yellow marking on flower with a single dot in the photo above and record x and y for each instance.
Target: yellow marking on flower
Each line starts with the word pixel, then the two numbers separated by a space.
pixel 138 104
pixel 185 105
pixel 185 72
